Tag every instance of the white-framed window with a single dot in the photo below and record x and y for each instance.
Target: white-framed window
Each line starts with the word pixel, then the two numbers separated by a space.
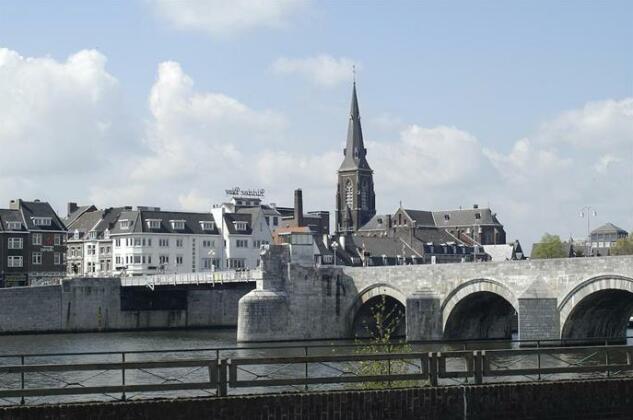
pixel 15 261
pixel 124 224
pixel 106 234
pixel 208 244
pixel 177 224
pixel 58 239
pixel 240 226
pixel 136 259
pixel 241 243
pixel 236 262
pixel 91 250
pixel 179 243
pixel 14 225
pixel 42 221
pixel 154 223
pixel 91 235
pixel 275 221
pixel 207 225
pixel 163 242
pixel 163 259
pixel 76 235
pixel 16 243
pixel 137 241
pixel 179 259
pixel 117 242
pixel 57 258
pixel 37 239
pixel 36 258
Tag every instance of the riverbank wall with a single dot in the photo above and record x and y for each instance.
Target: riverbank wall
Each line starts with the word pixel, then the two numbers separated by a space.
pixel 101 304
pixel 583 400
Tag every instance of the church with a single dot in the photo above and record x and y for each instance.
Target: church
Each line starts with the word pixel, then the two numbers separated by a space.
pixel 407 236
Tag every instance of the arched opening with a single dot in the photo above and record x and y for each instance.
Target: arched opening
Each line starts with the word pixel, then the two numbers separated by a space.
pixel 379 316
pixel 481 315
pixel 604 313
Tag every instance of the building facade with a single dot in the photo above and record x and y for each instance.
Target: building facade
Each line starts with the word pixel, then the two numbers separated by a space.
pixel 32 244
pixel 603 238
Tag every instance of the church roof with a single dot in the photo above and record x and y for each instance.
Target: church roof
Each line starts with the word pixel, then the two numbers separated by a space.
pixel 355 151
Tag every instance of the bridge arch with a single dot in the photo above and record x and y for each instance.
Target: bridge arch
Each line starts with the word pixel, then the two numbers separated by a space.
pixel 361 308
pixel 600 306
pixel 479 308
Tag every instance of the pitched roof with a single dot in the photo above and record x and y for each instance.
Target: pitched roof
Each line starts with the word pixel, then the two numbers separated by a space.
pixel 77 213
pixel 355 151
pixel 377 222
pixel 421 217
pixel 9 215
pixel 609 228
pixel 32 209
pixel 230 220
pixel 466 217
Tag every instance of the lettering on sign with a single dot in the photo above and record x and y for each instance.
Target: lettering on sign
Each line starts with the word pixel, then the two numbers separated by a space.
pixel 248 192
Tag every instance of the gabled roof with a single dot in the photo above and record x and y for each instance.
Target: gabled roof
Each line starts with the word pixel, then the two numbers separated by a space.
pixel 609 228
pixel 9 215
pixel 466 217
pixel 377 222
pixel 77 213
pixel 231 218
pixel 32 209
pixel 355 151
pixel 421 217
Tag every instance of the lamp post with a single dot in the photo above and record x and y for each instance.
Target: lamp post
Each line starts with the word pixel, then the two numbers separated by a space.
pixel 587 212
pixel 212 254
pixel 334 248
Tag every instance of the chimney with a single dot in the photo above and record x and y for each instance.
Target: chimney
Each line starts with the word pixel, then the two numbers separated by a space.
pixel 72 207
pixel 298 207
pixel 15 204
pixel 475 206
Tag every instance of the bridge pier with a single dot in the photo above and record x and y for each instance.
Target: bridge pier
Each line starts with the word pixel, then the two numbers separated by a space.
pixel 424 316
pixel 539 318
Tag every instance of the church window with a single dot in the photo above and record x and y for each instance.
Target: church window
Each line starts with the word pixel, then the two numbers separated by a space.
pixel 363 196
pixel 349 194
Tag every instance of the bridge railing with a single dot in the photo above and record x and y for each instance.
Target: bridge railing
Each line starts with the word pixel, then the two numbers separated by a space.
pixel 39 378
pixel 206 277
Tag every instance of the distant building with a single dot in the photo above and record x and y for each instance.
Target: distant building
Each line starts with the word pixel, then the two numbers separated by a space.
pixel 604 237
pixel 32 244
pixel 505 252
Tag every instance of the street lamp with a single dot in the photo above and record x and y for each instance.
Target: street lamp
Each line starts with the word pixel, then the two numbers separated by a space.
pixel 587 212
pixel 212 254
pixel 334 247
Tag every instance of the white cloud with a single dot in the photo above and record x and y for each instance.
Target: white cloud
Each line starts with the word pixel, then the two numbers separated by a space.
pixel 322 69
pixel 221 17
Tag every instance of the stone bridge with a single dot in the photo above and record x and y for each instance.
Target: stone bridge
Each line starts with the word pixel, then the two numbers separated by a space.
pixel 538 299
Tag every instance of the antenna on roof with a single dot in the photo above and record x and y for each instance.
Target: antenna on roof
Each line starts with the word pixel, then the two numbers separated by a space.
pixel 354 72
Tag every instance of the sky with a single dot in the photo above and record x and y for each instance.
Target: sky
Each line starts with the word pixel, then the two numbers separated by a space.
pixel 525 107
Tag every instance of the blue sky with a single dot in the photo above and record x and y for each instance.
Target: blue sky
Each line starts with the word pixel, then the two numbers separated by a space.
pixel 476 79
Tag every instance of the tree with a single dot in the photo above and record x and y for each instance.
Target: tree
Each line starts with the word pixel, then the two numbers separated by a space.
pixel 623 246
pixel 550 246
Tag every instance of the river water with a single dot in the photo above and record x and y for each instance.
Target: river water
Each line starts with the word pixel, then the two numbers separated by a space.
pixel 164 343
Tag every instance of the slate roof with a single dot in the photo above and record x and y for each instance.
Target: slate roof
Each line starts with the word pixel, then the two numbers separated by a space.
pixel 378 222
pixel 229 218
pixel 30 209
pixel 465 217
pixel 7 215
pixel 84 223
pixel 77 213
pixel 354 149
pixel 138 221
pixel 421 217
pixel 609 228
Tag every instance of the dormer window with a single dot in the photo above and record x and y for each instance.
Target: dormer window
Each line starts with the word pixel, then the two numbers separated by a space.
pixel 153 223
pixel 477 216
pixel 240 226
pixel 447 217
pixel 76 235
pixel 124 224
pixel 42 221
pixel 177 224
pixel 14 225
pixel 106 234
pixel 92 235
pixel 207 225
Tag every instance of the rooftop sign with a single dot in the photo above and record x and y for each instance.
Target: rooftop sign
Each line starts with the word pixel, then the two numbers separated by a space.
pixel 250 192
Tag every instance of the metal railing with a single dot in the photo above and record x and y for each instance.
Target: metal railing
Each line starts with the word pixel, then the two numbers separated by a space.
pixel 206 277
pixel 48 378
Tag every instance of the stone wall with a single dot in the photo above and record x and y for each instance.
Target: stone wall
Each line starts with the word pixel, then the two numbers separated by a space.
pixel 581 400
pixel 94 304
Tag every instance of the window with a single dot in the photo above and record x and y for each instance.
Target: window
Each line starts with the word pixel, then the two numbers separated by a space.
pixel 91 235
pixel 208 244
pixel 477 216
pixel 117 259
pixel 124 224
pixel 57 258
pixel 241 243
pixel 137 241
pixel 153 223
pixel 36 258
pixel 275 221
pixel 177 224
pixel 162 242
pixel 179 243
pixel 16 243
pixel 58 239
pixel 447 217
pixel 149 241
pixel 15 261
pixel 106 234
pixel 37 239
pixel 240 226
pixel 349 194
pixel 91 250
pixel 236 262
pixel 207 225
pixel 179 259
pixel 14 225
pixel 364 196
pixel 42 221
pixel 76 235
pixel 136 259
pixel 117 242
pixel 163 259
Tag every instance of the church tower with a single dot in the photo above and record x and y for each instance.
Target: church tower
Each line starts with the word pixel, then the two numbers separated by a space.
pixel 355 198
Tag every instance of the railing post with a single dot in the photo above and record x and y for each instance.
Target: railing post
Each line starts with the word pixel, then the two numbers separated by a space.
pixel 22 401
pixel 305 352
pixel 606 361
pixel 222 385
pixel 478 362
pixel 123 396
pixel 538 358
pixel 433 360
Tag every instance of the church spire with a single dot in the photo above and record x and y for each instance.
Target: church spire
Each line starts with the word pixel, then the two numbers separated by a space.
pixel 355 151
